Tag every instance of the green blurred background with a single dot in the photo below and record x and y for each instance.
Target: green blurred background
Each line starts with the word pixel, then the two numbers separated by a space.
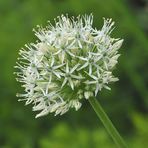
pixel 126 103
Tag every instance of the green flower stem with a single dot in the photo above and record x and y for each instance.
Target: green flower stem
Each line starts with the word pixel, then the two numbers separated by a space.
pixel 107 123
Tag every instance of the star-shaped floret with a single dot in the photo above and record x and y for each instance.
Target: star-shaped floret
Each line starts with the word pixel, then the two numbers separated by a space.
pixel 65 49
pixel 53 68
pixel 69 76
pixel 90 61
pixel 96 81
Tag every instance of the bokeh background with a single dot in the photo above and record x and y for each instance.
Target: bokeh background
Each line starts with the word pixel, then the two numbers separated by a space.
pixel 126 103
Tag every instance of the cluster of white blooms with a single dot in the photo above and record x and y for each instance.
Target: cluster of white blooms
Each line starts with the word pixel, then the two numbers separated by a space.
pixel 71 61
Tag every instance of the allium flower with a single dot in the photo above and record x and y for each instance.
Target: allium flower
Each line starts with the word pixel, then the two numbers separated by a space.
pixel 69 62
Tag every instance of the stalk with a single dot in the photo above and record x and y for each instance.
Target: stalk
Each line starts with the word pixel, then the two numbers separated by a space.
pixel 107 123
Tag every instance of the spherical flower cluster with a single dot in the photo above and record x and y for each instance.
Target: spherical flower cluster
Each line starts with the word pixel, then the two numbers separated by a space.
pixel 70 61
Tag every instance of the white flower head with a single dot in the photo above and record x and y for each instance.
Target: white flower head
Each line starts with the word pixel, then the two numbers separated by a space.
pixel 70 61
